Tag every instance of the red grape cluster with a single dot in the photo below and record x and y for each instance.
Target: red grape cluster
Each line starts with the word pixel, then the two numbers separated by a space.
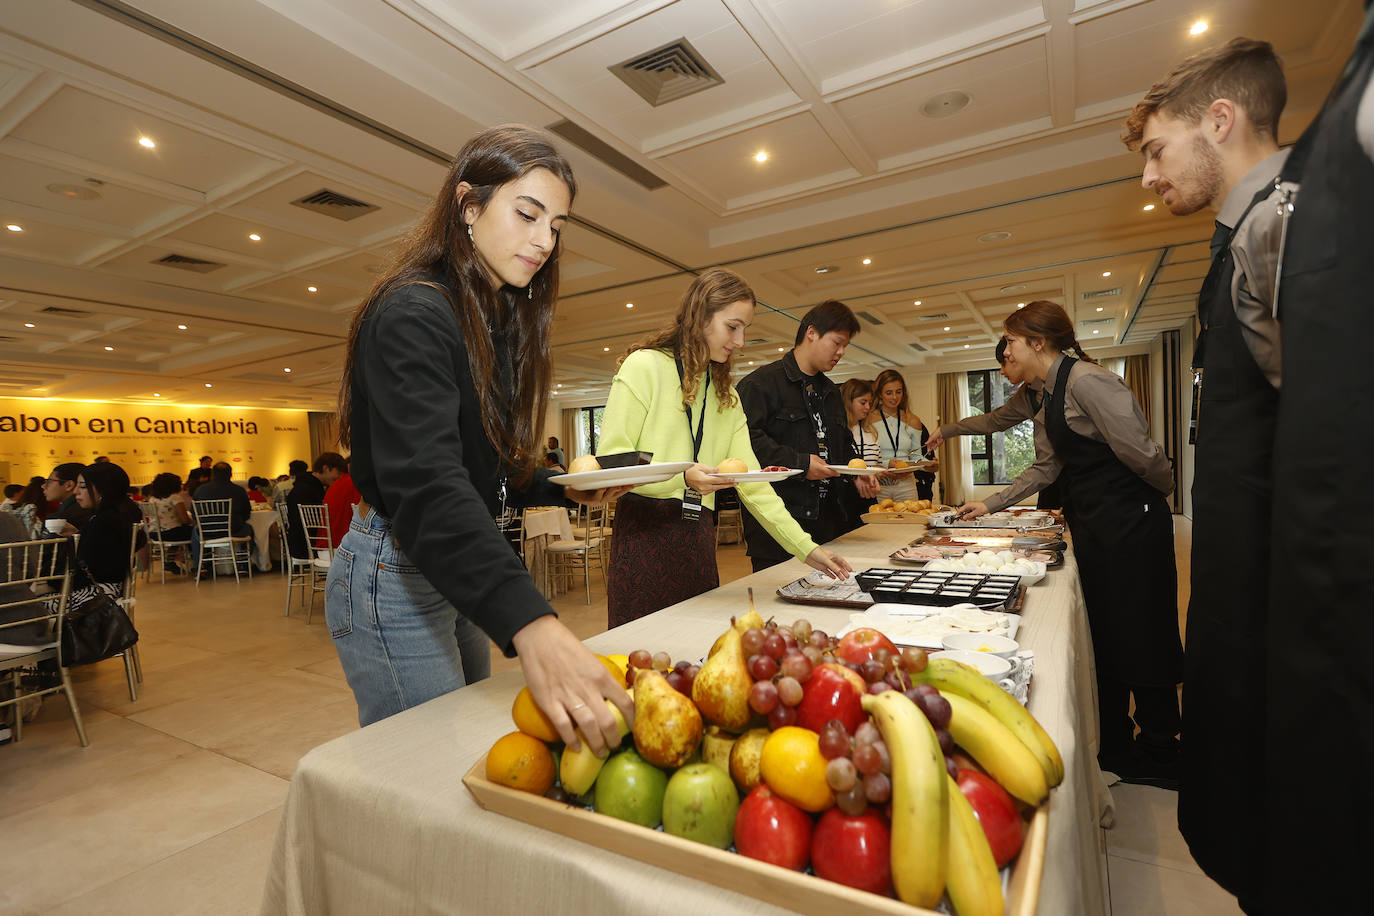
pixel 780 659
pixel 859 771
pixel 679 676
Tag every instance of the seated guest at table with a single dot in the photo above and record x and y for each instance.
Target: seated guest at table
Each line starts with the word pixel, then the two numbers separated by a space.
pixel 173 512
pixel 60 489
pixel 102 555
pixel 672 396
pixel 222 486
pixel 259 490
pixel 11 491
pixel 551 462
pixel 194 479
pixel 282 487
pixel 340 496
pixel 101 459
pixel 13 531
pixel 1024 404
pixel 307 489
pixel 425 576
pixel 1114 479
pixel 556 452
pixel 206 463
pixel 31 507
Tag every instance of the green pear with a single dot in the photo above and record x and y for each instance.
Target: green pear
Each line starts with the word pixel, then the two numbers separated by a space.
pixel 667 725
pixel 721 687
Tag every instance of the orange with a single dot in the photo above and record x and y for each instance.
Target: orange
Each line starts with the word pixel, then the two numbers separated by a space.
pixel 521 762
pixel 792 766
pixel 530 719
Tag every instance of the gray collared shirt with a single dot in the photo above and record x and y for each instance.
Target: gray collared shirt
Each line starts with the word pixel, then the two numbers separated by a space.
pixel 1255 251
pixel 1017 409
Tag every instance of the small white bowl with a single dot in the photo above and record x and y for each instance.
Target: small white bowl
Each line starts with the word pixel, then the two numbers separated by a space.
pixel 993 666
pixel 982 643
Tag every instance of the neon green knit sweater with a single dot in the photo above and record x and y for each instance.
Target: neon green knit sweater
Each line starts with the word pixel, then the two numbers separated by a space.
pixel 645 413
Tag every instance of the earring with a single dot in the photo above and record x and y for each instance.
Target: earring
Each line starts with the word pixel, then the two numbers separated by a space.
pixel 470 232
pixel 529 291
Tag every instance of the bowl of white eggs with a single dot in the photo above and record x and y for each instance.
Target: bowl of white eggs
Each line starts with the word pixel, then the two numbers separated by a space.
pixel 1001 562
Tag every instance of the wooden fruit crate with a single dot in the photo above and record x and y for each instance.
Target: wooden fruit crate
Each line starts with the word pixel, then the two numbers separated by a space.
pixel 891 518
pixel 782 887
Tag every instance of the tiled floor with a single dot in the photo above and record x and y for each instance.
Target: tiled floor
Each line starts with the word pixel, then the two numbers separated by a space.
pixel 174 806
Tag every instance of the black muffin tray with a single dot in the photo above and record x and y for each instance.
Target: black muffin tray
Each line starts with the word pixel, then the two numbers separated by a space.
pixel 939 588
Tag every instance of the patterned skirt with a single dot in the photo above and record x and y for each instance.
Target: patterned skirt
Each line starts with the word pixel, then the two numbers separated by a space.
pixel 657 558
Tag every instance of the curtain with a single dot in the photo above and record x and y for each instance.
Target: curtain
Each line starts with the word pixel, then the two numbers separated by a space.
pixel 956 470
pixel 1138 380
pixel 324 434
pixel 567 436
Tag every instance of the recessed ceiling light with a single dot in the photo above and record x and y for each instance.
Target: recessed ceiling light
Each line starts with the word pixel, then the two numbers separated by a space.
pixel 1097 332
pixel 826 270
pixel 867 261
pixel 629 305
pixel 74 191
pixel 208 385
pixel 147 142
pixel 1099 308
pixel 1106 273
pixel 1198 27
pixel 110 349
pixel 286 369
pixel 781 349
pixel 1148 207
pixel 946 327
pixel 944 104
pixel 917 302
pixel 761 156
pixel 998 236
pixel 29 324
pixel 15 227
pixel 1020 305
pixel 751 362
pixel 312 289
pixel 965 346
pixel 156 395
pixel 181 327
pixel 605 349
pixel 253 236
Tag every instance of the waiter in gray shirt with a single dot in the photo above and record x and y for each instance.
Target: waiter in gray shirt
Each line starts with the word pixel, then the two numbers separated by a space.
pixel 1208 133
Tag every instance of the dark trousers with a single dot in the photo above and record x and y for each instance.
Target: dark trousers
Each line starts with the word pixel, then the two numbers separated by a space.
pixel 1156 712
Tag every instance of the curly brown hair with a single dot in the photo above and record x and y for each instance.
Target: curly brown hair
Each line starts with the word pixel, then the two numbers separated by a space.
pixel 685 338
pixel 1244 70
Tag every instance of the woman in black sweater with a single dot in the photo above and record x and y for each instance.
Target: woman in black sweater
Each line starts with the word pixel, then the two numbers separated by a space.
pixel 103 552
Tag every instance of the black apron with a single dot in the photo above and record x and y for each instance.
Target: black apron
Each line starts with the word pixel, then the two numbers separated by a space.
pixel 1321 619
pixel 1223 669
pixel 1052 496
pixel 1123 542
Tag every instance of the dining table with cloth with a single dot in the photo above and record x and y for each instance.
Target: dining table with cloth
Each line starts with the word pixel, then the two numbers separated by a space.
pixel 541 525
pixel 379 821
pixel 262 521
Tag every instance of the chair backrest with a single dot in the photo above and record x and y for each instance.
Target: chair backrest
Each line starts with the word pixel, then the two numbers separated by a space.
pixel 148 509
pixel 315 524
pixel 512 525
pixel 23 565
pixel 212 518
pixel 131 580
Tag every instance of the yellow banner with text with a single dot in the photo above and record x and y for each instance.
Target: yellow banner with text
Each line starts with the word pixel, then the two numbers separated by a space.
pixel 36 434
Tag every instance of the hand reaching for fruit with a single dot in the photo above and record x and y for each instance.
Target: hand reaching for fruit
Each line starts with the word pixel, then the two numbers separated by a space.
pixel 568 683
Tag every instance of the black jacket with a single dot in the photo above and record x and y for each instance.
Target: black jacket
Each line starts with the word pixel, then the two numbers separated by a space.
pixel 239 506
pixel 422 459
pixel 306 490
pixel 782 433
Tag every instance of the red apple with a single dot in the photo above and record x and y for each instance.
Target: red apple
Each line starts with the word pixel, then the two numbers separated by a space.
pixel 773 830
pixel 832 692
pixel 997 813
pixel 853 850
pixel 858 646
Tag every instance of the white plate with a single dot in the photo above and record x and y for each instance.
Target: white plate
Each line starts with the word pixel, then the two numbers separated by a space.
pixel 761 476
pixel 856 472
pixel 890 619
pixel 633 476
pixel 922 465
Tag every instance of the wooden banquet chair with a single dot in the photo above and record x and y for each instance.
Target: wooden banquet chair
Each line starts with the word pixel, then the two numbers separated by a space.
pixel 320 539
pixel 299 571
pixel 563 557
pixel 160 548
pixel 23 566
pixel 213 521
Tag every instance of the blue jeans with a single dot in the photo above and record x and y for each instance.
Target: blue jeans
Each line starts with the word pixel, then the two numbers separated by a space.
pixel 401 643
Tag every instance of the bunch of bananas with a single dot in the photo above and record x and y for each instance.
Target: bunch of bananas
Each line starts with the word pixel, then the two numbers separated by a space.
pixel 937 843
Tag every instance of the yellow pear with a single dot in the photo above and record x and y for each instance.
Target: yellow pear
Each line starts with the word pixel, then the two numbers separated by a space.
pixel 750 621
pixel 721 687
pixel 667 725
pixel 746 756
pixel 715 747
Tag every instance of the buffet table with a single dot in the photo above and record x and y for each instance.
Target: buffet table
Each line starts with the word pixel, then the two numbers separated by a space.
pixel 380 821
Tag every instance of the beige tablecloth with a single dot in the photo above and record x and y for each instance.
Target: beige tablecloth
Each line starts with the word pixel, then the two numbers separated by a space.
pixel 263 521
pixel 378 821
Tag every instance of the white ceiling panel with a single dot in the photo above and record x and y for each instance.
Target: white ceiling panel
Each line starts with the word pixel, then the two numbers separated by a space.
pixel 49 242
pixel 46 187
pixel 233 236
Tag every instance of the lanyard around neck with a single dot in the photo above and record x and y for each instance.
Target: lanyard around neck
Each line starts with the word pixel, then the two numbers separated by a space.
pixel 888 429
pixel 701 423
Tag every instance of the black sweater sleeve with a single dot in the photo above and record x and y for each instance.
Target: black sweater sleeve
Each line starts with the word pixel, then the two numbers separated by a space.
pixel 104 549
pixel 406 411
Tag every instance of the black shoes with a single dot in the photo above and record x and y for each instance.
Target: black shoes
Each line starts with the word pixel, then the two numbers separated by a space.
pixel 1144 765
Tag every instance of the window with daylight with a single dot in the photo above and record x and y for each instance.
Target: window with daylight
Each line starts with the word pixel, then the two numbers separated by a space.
pixel 998 458
pixel 589 429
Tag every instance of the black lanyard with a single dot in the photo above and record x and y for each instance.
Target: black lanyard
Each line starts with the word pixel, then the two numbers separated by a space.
pixel 888 429
pixel 701 424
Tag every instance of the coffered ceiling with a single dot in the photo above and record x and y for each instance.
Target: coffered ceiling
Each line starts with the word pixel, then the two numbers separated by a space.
pixel 930 162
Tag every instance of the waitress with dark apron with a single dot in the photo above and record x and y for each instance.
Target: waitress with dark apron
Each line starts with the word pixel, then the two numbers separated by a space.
pixel 1115 478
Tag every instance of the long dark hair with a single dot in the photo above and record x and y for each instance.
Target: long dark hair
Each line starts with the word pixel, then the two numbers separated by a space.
pixel 1047 321
pixel 33 495
pixel 111 483
pixel 439 245
pixel 685 338
pixel 164 485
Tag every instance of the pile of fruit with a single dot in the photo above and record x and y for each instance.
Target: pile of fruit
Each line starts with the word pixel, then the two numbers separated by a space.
pixel 870 765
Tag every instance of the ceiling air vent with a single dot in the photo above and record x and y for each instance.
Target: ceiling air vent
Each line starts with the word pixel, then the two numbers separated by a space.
pixel 1101 294
pixel 667 73
pixel 182 262
pixel 938 316
pixel 869 317
pixel 918 348
pixel 58 310
pixel 590 143
pixel 333 204
pixel 1095 322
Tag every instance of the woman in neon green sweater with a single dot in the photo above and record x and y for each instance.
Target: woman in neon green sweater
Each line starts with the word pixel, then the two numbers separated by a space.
pixel 660 553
